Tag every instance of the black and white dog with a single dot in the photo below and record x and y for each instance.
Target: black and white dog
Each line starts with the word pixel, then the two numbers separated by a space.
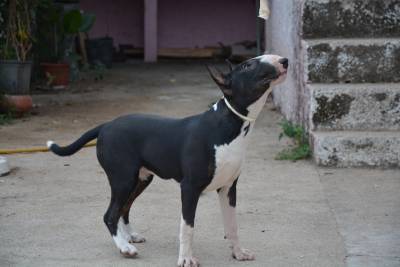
pixel 204 152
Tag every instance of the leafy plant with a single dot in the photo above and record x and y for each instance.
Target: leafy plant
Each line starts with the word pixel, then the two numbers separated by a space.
pixel 57 30
pixel 6 113
pixel 50 32
pixel 19 25
pixel 299 148
pixel 6 118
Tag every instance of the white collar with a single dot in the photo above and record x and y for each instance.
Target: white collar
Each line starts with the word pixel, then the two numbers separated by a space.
pixel 245 118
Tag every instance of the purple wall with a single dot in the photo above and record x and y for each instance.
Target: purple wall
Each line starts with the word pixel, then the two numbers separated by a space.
pixel 181 23
pixel 120 19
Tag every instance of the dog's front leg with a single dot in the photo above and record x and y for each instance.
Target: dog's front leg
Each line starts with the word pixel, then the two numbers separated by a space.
pixel 190 196
pixel 227 200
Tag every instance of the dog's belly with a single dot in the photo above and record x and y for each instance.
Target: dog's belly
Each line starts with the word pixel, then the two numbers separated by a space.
pixel 228 162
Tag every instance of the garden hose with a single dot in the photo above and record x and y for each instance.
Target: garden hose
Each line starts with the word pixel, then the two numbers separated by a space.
pixel 45 149
pixel 35 149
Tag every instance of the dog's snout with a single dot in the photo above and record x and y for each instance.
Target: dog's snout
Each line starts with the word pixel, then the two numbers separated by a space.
pixel 285 62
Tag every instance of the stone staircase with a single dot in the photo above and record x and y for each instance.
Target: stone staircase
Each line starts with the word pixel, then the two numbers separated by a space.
pixel 345 86
pixel 352 55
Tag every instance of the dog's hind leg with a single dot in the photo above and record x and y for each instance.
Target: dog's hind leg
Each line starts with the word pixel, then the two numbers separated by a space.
pixel 123 182
pixel 134 237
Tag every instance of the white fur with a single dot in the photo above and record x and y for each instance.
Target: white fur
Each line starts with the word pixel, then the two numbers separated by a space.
pixel 274 60
pixel 229 157
pixel 128 233
pixel 230 227
pixel 228 217
pixel 144 173
pixel 215 106
pixel 228 161
pixel 49 143
pixel 185 246
pixel 121 240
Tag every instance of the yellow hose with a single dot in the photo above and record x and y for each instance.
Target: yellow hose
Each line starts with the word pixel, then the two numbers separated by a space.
pixel 45 149
pixel 35 149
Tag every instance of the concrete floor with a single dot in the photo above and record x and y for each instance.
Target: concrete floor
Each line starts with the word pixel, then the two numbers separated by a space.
pixel 289 213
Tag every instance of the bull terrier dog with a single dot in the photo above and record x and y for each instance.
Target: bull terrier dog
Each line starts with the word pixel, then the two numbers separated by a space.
pixel 202 153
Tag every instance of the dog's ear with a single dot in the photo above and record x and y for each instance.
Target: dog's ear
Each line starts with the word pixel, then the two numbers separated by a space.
pixel 230 64
pixel 220 79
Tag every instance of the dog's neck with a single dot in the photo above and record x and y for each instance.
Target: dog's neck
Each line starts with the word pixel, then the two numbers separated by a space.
pixel 252 111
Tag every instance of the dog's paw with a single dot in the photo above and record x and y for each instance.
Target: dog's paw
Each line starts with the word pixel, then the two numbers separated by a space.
pixel 242 254
pixel 129 251
pixel 188 262
pixel 136 238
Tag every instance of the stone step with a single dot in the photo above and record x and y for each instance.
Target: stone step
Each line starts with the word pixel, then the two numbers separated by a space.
pixel 357 149
pixel 352 60
pixel 355 106
pixel 351 18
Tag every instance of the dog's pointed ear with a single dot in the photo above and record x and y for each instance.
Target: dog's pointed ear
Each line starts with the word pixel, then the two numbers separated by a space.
pixel 230 64
pixel 220 79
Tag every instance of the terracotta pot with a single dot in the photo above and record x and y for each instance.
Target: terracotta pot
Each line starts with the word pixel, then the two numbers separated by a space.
pixel 59 72
pixel 20 104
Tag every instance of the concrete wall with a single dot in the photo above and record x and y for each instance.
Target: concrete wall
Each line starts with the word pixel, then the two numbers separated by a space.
pixel 283 35
pixel 181 23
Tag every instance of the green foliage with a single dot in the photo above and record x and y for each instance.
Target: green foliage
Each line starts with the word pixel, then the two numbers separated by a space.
pixel 17 19
pixel 6 118
pixel 72 21
pixel 50 32
pixel 75 22
pixel 299 149
pixel 6 114
pixel 87 22
pixel 57 30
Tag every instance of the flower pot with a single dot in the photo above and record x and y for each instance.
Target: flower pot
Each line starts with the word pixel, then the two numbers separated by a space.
pixel 15 77
pixel 58 73
pixel 19 104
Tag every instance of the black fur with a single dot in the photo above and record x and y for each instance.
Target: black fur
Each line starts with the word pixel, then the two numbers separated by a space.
pixel 232 194
pixel 78 144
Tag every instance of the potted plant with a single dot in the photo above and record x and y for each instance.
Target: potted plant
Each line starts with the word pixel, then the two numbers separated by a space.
pixel 15 49
pixel 57 29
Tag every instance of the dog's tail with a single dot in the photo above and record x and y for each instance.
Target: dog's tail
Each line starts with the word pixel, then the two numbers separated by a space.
pixel 75 146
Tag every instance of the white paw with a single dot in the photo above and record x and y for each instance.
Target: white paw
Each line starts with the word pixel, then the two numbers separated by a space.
pixel 136 238
pixel 242 254
pixel 188 262
pixel 128 251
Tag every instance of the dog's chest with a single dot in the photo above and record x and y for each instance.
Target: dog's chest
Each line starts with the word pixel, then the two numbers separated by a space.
pixel 228 162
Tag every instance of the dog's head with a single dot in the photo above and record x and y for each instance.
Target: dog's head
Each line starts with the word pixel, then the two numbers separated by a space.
pixel 248 81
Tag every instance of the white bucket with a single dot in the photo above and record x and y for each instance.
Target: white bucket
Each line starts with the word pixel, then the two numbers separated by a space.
pixel 4 169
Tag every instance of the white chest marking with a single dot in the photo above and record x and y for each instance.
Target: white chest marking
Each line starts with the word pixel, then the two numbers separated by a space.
pixel 229 159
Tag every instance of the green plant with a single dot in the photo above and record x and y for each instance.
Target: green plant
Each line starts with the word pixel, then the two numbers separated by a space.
pixel 6 114
pixel 19 24
pixel 57 30
pixel 299 148
pixel 6 118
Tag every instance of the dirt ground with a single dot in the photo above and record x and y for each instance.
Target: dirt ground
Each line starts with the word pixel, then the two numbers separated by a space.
pixel 289 213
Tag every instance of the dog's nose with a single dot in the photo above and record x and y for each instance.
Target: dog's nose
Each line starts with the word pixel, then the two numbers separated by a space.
pixel 285 62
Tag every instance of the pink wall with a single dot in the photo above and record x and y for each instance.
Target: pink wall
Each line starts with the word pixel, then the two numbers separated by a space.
pixel 181 23
pixel 120 19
